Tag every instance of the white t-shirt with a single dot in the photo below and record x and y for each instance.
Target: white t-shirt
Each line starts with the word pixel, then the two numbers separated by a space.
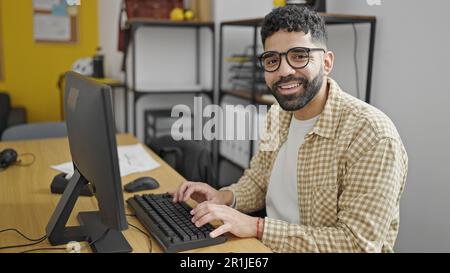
pixel 282 196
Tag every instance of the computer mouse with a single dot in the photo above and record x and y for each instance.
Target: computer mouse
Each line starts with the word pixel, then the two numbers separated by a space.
pixel 142 184
pixel 7 157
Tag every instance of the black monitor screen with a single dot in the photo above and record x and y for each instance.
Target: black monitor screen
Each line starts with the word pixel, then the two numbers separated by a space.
pixel 92 141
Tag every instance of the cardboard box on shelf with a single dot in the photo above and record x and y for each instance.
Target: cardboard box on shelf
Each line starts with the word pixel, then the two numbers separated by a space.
pixel 202 10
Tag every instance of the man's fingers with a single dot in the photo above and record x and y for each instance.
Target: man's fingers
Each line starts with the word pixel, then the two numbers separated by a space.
pixel 200 206
pixel 208 217
pixel 220 230
pixel 189 192
pixel 200 210
pixel 175 195
pixel 182 190
pixel 179 192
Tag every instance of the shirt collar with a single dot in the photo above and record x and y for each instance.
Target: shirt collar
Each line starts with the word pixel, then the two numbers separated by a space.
pixel 329 118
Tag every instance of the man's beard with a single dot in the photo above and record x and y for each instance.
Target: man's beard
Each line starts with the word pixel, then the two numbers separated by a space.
pixel 299 100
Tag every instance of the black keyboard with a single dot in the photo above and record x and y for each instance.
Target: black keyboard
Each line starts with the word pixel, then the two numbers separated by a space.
pixel 170 223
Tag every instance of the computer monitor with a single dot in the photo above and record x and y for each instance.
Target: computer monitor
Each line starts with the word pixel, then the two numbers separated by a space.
pixel 92 141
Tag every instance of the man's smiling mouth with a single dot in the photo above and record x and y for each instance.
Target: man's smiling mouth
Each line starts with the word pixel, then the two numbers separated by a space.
pixel 289 88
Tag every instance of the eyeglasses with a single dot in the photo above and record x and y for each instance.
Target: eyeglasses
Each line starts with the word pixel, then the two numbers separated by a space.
pixel 297 58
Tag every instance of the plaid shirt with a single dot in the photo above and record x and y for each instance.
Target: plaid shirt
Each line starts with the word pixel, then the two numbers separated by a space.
pixel 351 172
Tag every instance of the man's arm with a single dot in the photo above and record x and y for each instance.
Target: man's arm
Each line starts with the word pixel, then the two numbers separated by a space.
pixel 249 192
pixel 366 206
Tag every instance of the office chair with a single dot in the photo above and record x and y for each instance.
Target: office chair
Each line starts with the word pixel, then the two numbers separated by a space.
pixel 192 159
pixel 10 116
pixel 35 131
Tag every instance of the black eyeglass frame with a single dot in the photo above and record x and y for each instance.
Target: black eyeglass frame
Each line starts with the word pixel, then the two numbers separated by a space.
pixel 280 54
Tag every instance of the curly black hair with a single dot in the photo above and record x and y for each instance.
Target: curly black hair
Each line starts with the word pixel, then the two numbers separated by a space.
pixel 295 18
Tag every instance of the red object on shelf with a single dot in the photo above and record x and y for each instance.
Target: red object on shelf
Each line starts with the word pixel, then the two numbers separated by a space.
pixel 152 9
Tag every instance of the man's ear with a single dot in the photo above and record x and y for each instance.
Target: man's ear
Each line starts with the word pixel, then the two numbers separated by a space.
pixel 328 62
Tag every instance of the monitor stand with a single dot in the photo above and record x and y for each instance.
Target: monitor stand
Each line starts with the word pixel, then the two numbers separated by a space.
pixel 59 184
pixel 91 227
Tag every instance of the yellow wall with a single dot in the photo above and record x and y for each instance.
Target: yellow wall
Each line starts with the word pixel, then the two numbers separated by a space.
pixel 31 69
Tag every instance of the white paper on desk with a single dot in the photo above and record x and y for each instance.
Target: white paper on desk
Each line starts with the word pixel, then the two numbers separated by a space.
pixel 67 168
pixel 136 157
pixel 132 159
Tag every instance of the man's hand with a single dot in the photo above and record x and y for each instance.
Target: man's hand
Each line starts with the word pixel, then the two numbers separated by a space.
pixel 201 192
pixel 234 221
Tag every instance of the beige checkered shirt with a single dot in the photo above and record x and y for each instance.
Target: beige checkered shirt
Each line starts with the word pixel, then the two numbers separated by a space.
pixel 350 176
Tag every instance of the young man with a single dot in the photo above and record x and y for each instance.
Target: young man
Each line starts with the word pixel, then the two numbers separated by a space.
pixel 333 181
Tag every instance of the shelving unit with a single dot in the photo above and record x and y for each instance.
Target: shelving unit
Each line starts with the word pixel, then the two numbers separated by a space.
pixel 250 95
pixel 137 23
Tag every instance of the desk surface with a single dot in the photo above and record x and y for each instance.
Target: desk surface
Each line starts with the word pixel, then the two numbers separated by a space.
pixel 27 204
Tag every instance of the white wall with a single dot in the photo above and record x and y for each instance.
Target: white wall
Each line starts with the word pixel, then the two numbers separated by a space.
pixel 108 32
pixel 410 72
pixel 108 14
pixel 409 85
pixel 157 63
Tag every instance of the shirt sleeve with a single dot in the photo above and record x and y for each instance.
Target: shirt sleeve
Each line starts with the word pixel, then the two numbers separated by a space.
pixel 250 191
pixel 368 202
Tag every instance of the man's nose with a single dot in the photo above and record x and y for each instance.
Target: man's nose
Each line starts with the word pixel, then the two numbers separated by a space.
pixel 285 69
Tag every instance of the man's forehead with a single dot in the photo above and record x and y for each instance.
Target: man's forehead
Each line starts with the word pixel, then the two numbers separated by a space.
pixel 283 40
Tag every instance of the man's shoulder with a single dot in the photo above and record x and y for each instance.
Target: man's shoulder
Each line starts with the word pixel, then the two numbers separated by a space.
pixel 362 116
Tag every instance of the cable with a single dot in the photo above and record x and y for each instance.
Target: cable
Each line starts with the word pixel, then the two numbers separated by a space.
pixel 355 57
pixel 143 232
pixel 63 248
pixel 95 241
pixel 24 245
pixel 99 238
pixel 40 240
pixel 41 249
pixel 19 162
pixel 21 234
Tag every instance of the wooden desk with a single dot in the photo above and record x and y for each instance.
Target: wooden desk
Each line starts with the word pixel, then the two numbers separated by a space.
pixel 27 204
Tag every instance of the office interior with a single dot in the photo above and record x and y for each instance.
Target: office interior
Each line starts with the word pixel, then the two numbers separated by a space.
pixel 398 50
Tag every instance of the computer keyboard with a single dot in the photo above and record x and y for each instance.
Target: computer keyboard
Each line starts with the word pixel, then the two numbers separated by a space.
pixel 170 223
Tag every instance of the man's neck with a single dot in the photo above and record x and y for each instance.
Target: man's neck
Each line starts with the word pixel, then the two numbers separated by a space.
pixel 316 105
